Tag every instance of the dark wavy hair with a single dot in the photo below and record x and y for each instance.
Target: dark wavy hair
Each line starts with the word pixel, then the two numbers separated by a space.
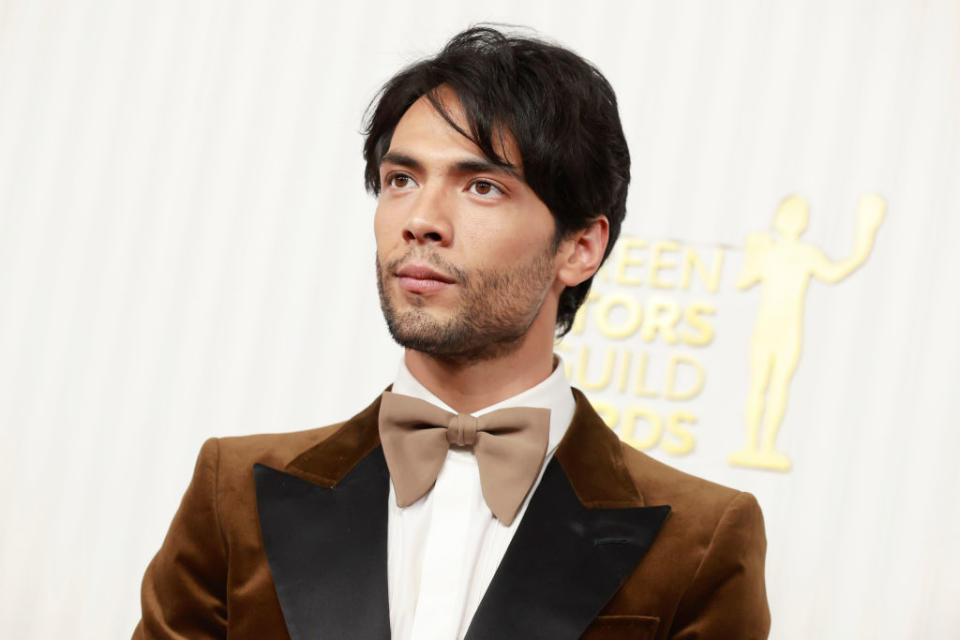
pixel 559 108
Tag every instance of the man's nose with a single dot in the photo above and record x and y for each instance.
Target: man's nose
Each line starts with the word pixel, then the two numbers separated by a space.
pixel 430 220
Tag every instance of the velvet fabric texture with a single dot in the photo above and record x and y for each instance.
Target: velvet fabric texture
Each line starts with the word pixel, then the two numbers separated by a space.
pixel 702 576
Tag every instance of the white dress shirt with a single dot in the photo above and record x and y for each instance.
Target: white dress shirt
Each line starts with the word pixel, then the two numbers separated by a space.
pixel 443 549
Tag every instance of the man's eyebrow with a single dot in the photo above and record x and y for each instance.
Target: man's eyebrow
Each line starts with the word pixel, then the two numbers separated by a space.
pixel 401 159
pixel 484 166
pixel 461 166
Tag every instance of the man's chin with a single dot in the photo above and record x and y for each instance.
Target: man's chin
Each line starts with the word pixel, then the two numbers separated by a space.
pixel 417 311
pixel 450 341
pixel 421 339
pixel 414 323
pixel 425 331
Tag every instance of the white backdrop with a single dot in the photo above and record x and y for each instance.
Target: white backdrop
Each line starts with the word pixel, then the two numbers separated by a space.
pixel 186 250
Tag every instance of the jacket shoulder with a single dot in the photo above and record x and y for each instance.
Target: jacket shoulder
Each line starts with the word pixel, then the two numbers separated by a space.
pixel 686 494
pixel 275 450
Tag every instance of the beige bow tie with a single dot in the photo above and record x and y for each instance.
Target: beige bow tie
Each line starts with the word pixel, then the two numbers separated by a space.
pixel 510 445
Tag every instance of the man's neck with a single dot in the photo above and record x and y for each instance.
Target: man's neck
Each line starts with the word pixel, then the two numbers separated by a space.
pixel 469 387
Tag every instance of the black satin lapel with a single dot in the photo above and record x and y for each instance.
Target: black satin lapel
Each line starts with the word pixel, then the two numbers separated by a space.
pixel 564 563
pixel 327 549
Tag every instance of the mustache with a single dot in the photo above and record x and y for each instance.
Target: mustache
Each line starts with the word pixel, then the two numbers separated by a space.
pixel 430 258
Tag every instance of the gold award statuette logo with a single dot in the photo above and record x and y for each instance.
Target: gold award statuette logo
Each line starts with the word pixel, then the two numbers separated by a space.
pixel 784 266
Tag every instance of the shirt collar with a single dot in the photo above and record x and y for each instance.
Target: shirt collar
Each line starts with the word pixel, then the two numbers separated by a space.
pixel 553 393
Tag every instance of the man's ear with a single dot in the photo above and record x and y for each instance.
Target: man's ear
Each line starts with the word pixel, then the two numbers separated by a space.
pixel 581 252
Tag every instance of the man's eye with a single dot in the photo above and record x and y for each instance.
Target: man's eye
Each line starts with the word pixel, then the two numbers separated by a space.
pixel 400 181
pixel 484 188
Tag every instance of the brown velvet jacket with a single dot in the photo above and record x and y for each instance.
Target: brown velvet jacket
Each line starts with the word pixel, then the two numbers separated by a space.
pixel 284 536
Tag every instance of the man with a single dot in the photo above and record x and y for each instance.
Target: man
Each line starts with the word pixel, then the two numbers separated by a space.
pixel 479 497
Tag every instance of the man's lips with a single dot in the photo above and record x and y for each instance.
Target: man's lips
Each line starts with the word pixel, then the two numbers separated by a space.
pixel 419 278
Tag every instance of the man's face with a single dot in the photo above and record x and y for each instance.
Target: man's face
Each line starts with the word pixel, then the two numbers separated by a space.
pixel 465 255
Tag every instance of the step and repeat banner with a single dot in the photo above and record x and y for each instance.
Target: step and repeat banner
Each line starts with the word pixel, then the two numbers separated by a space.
pixel 186 251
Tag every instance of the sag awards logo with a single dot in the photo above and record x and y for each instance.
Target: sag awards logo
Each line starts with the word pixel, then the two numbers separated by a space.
pixel 634 346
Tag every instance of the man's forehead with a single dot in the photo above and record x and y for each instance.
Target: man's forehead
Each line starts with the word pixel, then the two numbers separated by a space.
pixel 424 133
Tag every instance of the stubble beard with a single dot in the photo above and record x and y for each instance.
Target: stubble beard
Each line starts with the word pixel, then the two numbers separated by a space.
pixel 496 309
